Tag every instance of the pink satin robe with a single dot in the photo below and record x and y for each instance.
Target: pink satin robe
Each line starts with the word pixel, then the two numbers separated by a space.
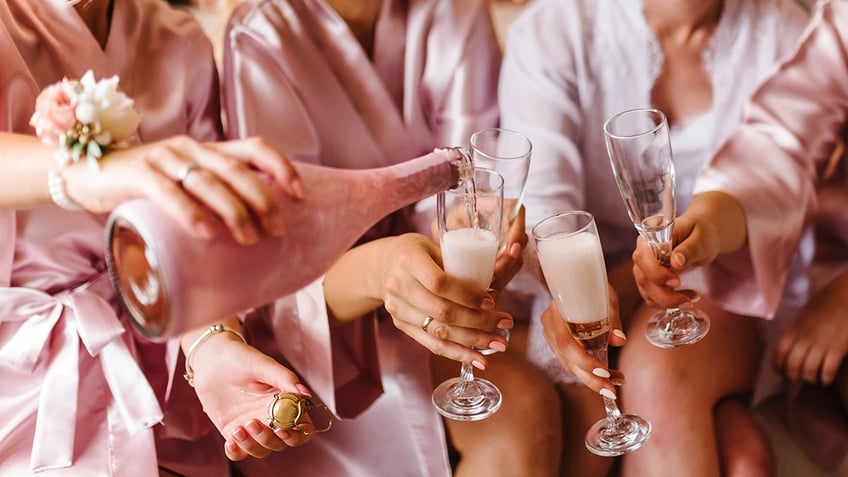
pixel 294 73
pixel 790 130
pixel 75 398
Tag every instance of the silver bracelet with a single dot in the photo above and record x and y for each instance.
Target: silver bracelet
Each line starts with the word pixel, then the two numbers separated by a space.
pixel 56 186
pixel 212 331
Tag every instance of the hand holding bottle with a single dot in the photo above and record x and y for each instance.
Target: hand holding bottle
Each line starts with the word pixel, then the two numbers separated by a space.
pixel 200 185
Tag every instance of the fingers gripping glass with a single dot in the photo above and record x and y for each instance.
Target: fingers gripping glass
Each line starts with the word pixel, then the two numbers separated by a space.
pixel 573 264
pixel 469 221
pixel 639 150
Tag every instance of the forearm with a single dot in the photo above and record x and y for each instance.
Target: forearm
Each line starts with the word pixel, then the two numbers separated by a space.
pixel 351 285
pixel 25 162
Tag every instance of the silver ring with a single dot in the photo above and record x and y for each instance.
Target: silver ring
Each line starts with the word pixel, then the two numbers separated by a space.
pixel 184 172
pixel 426 323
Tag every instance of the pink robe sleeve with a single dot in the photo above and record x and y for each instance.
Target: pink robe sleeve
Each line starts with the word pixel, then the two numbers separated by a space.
pixel 770 164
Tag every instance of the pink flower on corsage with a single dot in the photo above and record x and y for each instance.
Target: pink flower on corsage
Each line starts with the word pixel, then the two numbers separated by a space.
pixel 84 118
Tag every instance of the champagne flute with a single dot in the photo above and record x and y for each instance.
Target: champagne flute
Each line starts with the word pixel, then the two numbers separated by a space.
pixel 469 218
pixel 640 154
pixel 508 153
pixel 573 265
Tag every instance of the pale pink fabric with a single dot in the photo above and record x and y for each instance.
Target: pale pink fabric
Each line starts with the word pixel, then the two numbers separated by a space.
pixel 791 127
pixel 294 73
pixel 572 64
pixel 75 399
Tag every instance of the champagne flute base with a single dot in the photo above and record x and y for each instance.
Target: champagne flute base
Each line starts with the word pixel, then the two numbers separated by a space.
pixel 674 327
pixel 450 400
pixel 627 434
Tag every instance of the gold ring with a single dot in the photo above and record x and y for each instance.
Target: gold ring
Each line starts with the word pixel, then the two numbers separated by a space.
pixel 426 323
pixel 184 172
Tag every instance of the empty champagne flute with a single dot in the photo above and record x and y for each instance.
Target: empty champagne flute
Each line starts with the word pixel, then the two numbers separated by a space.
pixel 469 220
pixel 508 153
pixel 639 150
pixel 573 265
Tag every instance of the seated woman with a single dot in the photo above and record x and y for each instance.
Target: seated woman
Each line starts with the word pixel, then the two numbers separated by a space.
pixel 365 84
pixel 569 66
pixel 793 125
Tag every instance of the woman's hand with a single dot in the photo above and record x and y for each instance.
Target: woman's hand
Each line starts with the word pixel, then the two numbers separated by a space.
pixel 574 358
pixel 404 274
pixel 235 383
pixel 510 260
pixel 199 184
pixel 815 345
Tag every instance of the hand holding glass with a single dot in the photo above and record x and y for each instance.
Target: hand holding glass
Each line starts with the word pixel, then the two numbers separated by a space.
pixel 469 235
pixel 573 264
pixel 640 154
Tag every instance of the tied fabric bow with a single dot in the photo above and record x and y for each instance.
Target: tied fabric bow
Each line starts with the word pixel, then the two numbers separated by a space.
pixel 67 319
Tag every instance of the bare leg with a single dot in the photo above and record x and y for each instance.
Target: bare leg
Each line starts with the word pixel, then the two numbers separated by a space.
pixel 523 437
pixel 678 389
pixel 744 449
pixel 581 408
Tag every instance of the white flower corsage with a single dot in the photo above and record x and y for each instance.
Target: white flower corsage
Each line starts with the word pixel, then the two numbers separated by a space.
pixel 84 118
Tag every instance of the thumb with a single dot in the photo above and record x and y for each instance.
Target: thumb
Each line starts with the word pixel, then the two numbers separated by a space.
pixel 271 372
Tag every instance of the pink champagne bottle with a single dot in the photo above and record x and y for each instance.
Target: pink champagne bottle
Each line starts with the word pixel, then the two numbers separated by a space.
pixel 169 282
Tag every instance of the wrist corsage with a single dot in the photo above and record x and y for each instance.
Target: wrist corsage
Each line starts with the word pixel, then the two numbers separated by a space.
pixel 84 118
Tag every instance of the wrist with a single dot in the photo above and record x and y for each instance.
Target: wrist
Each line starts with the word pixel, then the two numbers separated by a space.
pixel 194 352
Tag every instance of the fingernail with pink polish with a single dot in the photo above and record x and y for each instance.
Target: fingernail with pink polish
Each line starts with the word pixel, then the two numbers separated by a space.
pixel 477 364
pixel 497 346
pixel 619 333
pixel 601 372
pixel 607 393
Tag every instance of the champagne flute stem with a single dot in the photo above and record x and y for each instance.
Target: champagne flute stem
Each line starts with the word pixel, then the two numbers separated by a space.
pixel 466 379
pixel 613 413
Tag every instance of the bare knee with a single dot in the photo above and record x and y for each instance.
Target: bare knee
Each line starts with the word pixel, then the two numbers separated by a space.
pixel 743 447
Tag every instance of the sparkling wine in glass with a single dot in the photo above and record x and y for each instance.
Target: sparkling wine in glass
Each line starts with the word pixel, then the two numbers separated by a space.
pixel 469 218
pixel 640 154
pixel 573 265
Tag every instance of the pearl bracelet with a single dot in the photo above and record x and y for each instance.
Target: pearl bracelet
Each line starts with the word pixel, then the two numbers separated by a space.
pixel 56 186
pixel 212 331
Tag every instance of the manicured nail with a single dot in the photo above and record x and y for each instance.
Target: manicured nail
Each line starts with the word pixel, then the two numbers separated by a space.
pixel 687 306
pixel 678 260
pixel 506 324
pixel 282 434
pixel 477 364
pixel 276 225
pixel 607 393
pixel 618 381
pixel 204 229
pixel 254 427
pixel 696 298
pixel 515 250
pixel 247 235
pixel 673 283
pixel 601 372
pixel 487 304
pixel 497 346
pixel 297 189
pixel 232 447
pixel 240 435
pixel 619 333
pixel 304 391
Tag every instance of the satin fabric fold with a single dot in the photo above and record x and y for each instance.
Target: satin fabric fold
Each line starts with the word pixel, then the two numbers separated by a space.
pixel 78 398
pixel 431 83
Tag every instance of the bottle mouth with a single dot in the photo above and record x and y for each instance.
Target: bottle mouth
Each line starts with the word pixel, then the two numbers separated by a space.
pixel 137 278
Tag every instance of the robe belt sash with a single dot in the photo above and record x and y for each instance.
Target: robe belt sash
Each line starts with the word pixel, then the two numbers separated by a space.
pixel 66 319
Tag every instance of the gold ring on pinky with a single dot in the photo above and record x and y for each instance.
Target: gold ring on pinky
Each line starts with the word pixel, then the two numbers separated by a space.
pixel 184 172
pixel 426 323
